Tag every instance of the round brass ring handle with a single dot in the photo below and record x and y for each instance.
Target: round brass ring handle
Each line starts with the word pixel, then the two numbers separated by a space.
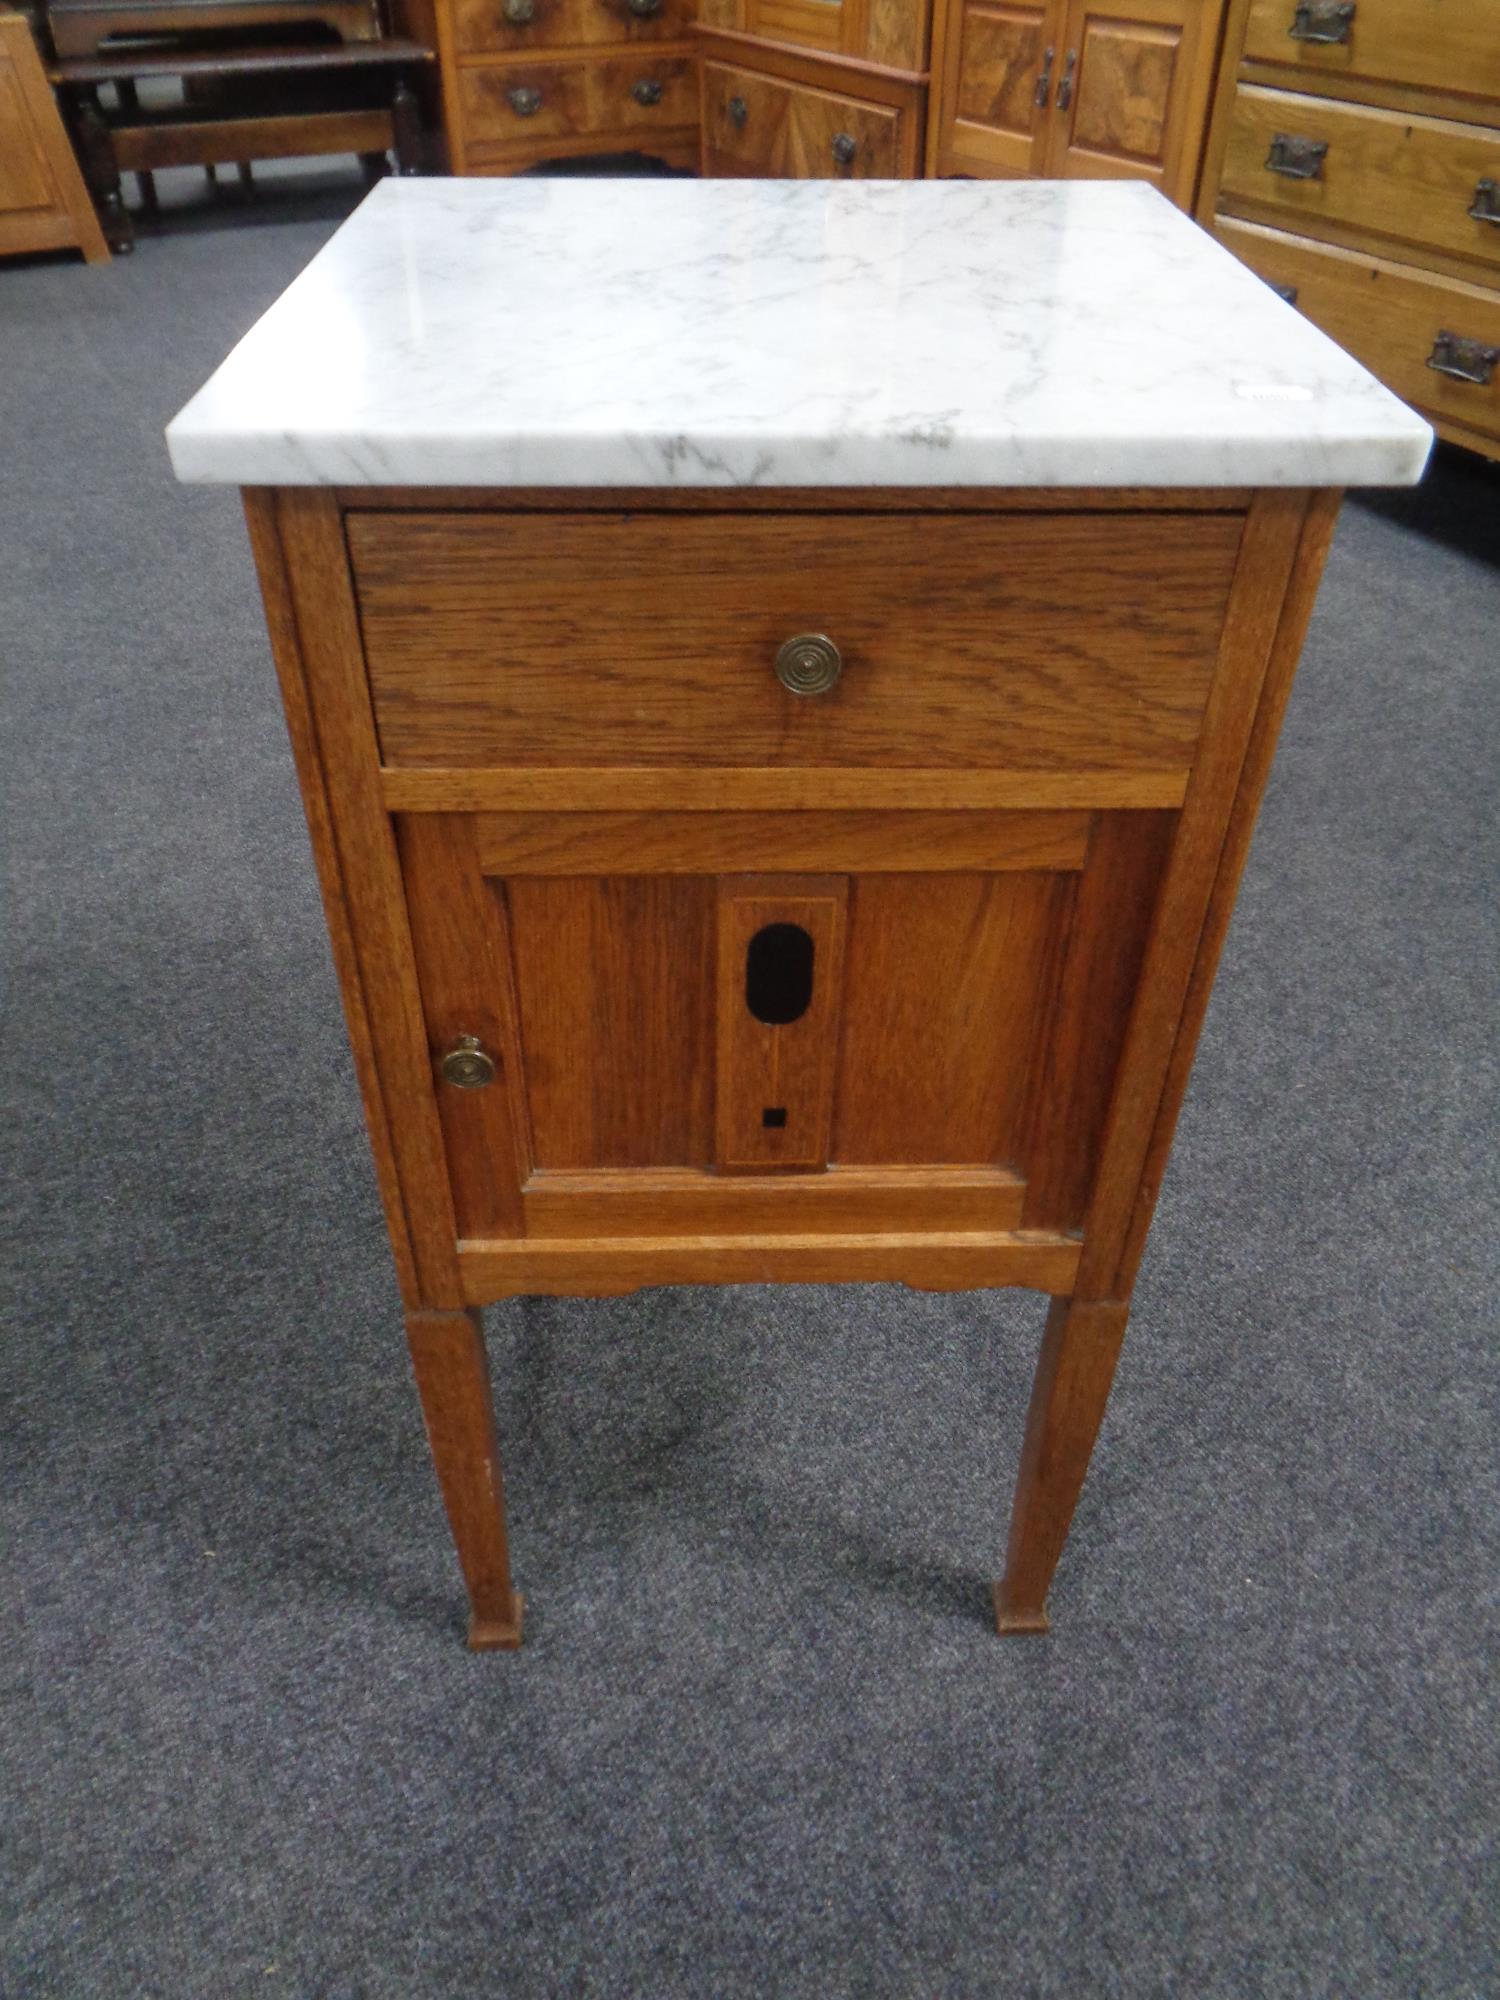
pixel 525 100
pixel 808 663
pixel 467 1066
pixel 647 91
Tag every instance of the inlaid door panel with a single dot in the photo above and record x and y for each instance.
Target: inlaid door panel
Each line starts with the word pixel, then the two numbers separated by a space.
pixel 1132 94
pixel 665 1046
pixel 998 88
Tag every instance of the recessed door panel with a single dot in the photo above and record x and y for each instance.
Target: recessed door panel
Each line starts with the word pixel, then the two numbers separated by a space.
pixel 616 982
pixel 1002 72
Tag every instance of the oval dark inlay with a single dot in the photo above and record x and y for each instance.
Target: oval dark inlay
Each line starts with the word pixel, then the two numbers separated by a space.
pixel 779 974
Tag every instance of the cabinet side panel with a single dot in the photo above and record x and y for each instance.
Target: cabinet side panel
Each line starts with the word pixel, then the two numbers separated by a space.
pixel 1075 1072
pixel 1273 533
pixel 327 627
pixel 1307 570
pixel 265 542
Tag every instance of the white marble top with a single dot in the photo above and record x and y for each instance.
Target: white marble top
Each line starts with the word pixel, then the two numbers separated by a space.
pixel 569 332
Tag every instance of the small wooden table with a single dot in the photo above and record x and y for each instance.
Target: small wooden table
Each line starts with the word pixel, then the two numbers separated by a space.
pixel 781 676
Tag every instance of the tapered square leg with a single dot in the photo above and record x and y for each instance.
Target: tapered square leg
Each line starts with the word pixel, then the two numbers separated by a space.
pixel 453 1381
pixel 1080 1346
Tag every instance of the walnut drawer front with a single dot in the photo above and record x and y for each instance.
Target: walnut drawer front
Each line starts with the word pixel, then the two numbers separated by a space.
pixel 1383 172
pixel 1430 44
pixel 516 102
pixel 1393 318
pixel 1047 642
pixel 757 124
pixel 483 27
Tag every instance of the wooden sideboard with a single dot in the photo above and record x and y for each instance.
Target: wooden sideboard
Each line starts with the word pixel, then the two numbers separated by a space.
pixel 532 80
pixel 44 204
pixel 1070 89
pixel 1355 163
pixel 837 89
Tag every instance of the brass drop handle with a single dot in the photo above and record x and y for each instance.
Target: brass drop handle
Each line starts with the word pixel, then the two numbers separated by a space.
pixel 1463 359
pixel 738 110
pixel 808 663
pixel 647 91
pixel 525 100
pixel 1485 206
pixel 1298 158
pixel 1322 21
pixel 844 149
pixel 1065 88
pixel 468 1066
pixel 1044 81
pixel 519 13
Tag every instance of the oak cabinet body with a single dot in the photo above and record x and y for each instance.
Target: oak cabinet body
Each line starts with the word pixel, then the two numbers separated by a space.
pixel 1071 89
pixel 788 868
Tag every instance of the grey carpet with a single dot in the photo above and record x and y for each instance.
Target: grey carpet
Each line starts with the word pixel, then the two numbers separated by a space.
pixel 761 1739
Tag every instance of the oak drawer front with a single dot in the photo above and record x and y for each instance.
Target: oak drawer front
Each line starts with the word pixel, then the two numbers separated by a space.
pixel 1045 642
pixel 484 27
pixel 1392 318
pixel 762 125
pixel 1392 175
pixel 1451 45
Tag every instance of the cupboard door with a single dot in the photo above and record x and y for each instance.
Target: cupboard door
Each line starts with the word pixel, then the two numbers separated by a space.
pixel 992 72
pixel 1130 99
pixel 898 1021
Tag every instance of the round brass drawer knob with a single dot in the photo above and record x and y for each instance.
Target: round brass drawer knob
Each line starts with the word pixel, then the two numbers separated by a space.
pixel 467 1066
pixel 808 663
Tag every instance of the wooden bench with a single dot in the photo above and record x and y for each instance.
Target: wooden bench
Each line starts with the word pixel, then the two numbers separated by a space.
pixel 241 102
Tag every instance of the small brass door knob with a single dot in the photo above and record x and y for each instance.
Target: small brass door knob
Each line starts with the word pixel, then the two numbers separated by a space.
pixel 647 92
pixel 467 1066
pixel 519 12
pixel 525 100
pixel 844 149
pixel 808 663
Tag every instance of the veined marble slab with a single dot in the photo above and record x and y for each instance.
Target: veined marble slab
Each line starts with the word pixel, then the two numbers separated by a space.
pixel 536 332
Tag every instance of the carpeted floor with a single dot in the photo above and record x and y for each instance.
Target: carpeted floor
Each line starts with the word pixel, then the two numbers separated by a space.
pixel 762 1739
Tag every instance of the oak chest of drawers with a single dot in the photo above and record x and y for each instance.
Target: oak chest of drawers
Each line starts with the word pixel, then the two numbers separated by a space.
pixel 781 827
pixel 1355 163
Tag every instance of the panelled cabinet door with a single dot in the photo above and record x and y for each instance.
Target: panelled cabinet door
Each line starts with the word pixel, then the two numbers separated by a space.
pixel 911 1022
pixel 995 83
pixel 1130 96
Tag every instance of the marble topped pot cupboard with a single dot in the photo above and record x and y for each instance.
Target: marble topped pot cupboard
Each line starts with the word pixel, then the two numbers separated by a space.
pixel 781 674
